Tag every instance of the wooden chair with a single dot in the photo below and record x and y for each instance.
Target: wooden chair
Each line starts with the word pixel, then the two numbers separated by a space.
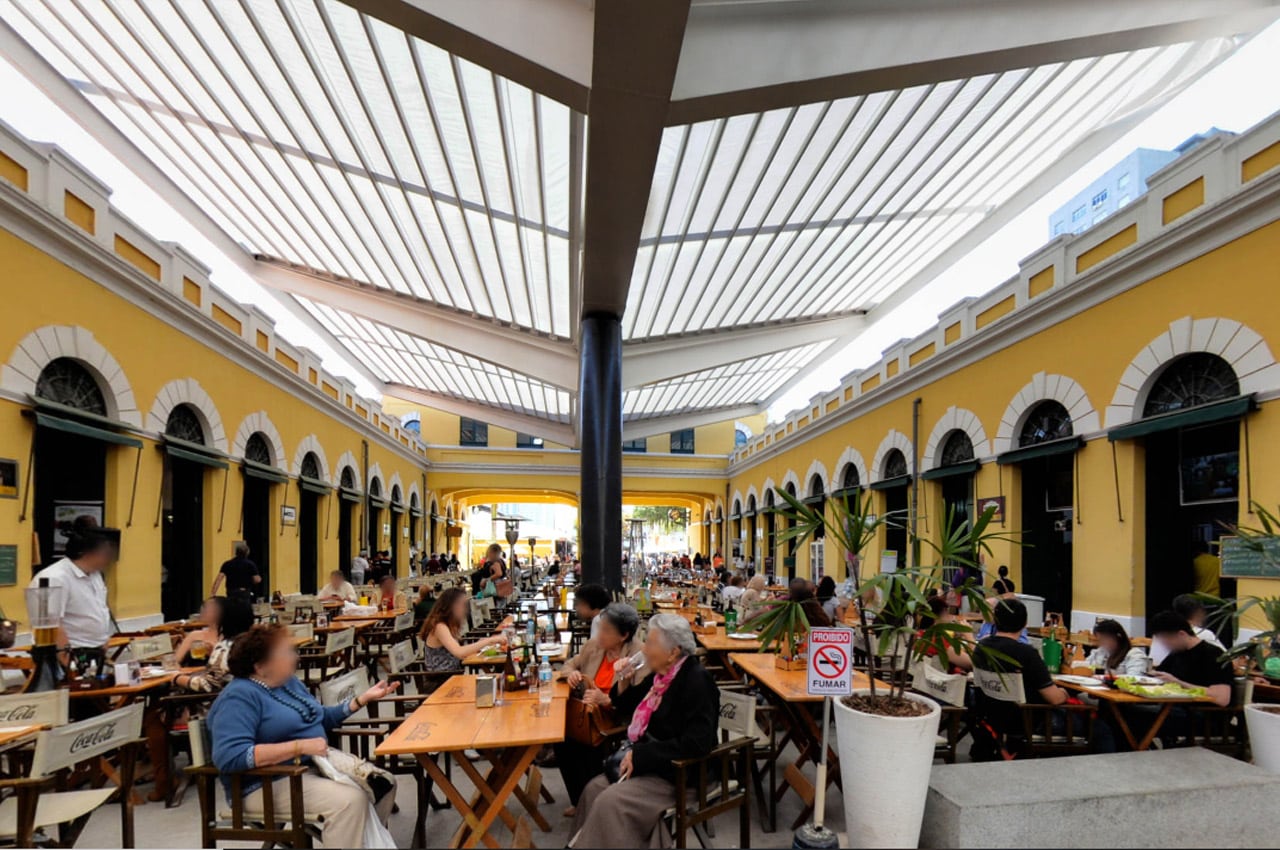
pixel 44 797
pixel 1219 728
pixel 1036 735
pixel 286 826
pixel 301 630
pixel 333 659
pixel 46 708
pixel 718 780
pixel 740 713
pixel 949 691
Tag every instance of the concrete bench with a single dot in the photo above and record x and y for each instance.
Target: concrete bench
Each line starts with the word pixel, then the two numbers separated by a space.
pixel 1184 798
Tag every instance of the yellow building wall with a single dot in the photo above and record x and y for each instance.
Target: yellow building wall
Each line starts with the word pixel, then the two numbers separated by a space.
pixel 1108 551
pixel 151 354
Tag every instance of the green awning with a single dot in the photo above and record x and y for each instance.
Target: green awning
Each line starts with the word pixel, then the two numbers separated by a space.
pixel 397 507
pixel 314 485
pixel 194 452
pixel 735 516
pixel 1063 446
pixel 1205 414
pixel 253 469
pixel 375 502
pixel 349 495
pixel 890 483
pixel 414 510
pixel 814 500
pixel 967 468
pixel 84 429
pixel 846 492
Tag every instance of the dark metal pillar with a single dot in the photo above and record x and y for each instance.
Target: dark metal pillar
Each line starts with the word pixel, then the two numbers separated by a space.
pixel 600 441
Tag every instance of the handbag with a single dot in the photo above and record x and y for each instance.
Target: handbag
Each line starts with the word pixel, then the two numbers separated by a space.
pixel 504 587
pixel 613 764
pixel 586 723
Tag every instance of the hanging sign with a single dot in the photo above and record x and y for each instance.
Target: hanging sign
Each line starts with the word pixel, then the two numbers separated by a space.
pixel 830 673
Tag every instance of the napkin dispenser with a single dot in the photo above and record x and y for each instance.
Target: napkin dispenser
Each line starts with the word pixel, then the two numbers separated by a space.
pixel 486 690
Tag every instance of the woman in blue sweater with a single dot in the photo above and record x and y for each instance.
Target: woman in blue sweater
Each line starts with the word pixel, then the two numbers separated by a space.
pixel 265 716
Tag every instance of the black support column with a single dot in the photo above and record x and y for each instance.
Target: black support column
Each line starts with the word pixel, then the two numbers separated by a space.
pixel 600 441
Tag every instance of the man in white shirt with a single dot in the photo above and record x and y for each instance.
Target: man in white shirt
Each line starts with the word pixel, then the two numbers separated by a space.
pixel 360 567
pixel 1192 609
pixel 732 592
pixel 338 588
pixel 82 604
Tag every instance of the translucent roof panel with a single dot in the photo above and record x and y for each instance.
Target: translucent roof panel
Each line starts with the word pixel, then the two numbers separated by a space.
pixel 398 357
pixel 830 207
pixel 316 134
pixel 741 382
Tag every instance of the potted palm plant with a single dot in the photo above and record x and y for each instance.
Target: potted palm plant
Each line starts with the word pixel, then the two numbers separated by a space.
pixel 783 625
pixel 885 733
pixel 1263 648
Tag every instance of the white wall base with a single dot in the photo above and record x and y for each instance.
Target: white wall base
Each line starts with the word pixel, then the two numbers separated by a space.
pixel 1082 621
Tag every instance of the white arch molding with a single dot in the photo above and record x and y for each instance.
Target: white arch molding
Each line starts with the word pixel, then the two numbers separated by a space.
pixel 311 443
pixel 751 493
pixel 414 490
pixel 1236 343
pixel 955 419
pixel 392 484
pixel 375 471
pixel 188 391
pixel 893 440
pixel 792 478
pixel 347 459
pixel 260 422
pixel 816 468
pixel 737 500
pixel 44 345
pixel 850 456
pixel 767 488
pixel 1042 387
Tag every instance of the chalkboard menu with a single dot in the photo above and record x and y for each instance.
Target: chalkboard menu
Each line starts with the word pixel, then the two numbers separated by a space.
pixel 8 564
pixel 1242 560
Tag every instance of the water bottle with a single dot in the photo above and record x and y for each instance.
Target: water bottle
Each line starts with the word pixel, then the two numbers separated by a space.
pixel 545 687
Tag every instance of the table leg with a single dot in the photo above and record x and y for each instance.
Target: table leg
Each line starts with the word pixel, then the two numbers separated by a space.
pixel 484 794
pixel 452 793
pixel 1155 726
pixel 508 770
pixel 1123 724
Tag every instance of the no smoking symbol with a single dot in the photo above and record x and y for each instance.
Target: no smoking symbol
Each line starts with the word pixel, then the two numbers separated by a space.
pixel 830 663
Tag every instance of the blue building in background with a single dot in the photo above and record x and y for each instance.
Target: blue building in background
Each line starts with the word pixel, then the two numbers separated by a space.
pixel 1120 184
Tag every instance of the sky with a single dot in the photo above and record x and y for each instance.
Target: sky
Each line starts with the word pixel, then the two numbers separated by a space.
pixel 1231 97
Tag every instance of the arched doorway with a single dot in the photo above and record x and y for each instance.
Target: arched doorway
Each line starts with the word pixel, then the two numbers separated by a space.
pixel 789 561
pixel 736 549
pixel 397 521
pixel 348 502
pixel 1192 466
pixel 376 503
pixel 895 484
pixel 1045 459
pixel 770 533
pixel 415 530
pixel 260 475
pixel 311 490
pixel 69 461
pixel 955 472
pixel 433 539
pixel 182 530
pixel 817 500
pixel 753 548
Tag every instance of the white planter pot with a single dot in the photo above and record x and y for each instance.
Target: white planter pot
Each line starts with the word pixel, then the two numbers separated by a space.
pixel 884 767
pixel 1264 737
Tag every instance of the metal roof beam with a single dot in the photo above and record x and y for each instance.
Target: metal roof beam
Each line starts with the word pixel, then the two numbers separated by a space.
pixel 556 432
pixel 742 57
pixel 650 361
pixel 548 360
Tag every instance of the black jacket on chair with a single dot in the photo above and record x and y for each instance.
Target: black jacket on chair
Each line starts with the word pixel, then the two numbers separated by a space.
pixel 685 725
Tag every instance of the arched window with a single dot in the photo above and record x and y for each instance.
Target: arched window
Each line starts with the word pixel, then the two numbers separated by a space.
pixel 895 464
pixel 375 488
pixel 815 487
pixel 849 477
pixel 348 478
pixel 740 437
pixel 184 424
pixel 396 495
pixel 956 448
pixel 1191 381
pixel 1048 420
pixel 258 450
pixel 65 381
pixel 311 466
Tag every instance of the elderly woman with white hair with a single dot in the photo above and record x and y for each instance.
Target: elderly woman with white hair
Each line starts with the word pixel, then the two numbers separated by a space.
pixel 673 712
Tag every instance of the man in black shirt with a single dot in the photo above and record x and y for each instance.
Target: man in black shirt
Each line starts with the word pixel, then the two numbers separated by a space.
pixel 1191 662
pixel 240 574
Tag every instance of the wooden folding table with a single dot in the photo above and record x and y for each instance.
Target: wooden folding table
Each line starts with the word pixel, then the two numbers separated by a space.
pixel 1116 701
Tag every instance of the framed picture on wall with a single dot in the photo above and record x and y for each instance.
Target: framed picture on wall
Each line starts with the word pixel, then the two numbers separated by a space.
pixel 8 478
pixel 288 515
pixel 68 515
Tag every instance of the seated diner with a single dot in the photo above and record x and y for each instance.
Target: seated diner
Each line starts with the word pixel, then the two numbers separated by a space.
pixel 441 651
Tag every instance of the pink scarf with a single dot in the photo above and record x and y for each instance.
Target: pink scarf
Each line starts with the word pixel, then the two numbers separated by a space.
pixel 646 708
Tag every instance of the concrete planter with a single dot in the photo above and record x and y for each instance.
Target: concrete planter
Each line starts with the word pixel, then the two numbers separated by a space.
pixel 884 766
pixel 1264 737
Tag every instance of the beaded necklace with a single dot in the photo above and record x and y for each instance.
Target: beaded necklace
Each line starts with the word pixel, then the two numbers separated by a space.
pixel 307 711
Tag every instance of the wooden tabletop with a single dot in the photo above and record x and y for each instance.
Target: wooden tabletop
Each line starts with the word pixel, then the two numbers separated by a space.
pixel 377 615
pixel 14 734
pixel 721 642
pixel 462 689
pixel 176 626
pixel 358 625
pixel 148 684
pixel 1081 638
pixel 790 685
pixel 482 660
pixel 113 642
pixel 456 726
pixel 1118 696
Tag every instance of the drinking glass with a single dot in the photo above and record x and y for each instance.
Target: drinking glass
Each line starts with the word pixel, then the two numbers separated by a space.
pixel 200 651
pixel 170 662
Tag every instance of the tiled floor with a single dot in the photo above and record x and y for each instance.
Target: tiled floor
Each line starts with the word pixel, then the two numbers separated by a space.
pixel 157 826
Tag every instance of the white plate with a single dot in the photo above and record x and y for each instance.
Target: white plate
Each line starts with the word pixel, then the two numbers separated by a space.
pixel 1081 681
pixel 1148 681
pixel 549 648
pixel 744 636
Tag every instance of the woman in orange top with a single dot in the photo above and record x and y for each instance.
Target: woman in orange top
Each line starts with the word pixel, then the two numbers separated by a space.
pixel 590 673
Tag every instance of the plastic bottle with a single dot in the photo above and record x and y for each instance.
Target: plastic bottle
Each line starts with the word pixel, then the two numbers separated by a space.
pixel 545 687
pixel 530 671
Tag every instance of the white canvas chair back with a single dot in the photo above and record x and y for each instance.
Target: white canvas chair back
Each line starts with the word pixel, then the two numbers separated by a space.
pixel 147 648
pixel 47 708
pixel 338 641
pixel 402 622
pixel 1004 687
pixel 738 714
pixel 262 610
pixel 944 687
pixel 301 630
pixel 302 603
pixel 342 689
pixel 69 745
pixel 400 656
pixel 480 609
